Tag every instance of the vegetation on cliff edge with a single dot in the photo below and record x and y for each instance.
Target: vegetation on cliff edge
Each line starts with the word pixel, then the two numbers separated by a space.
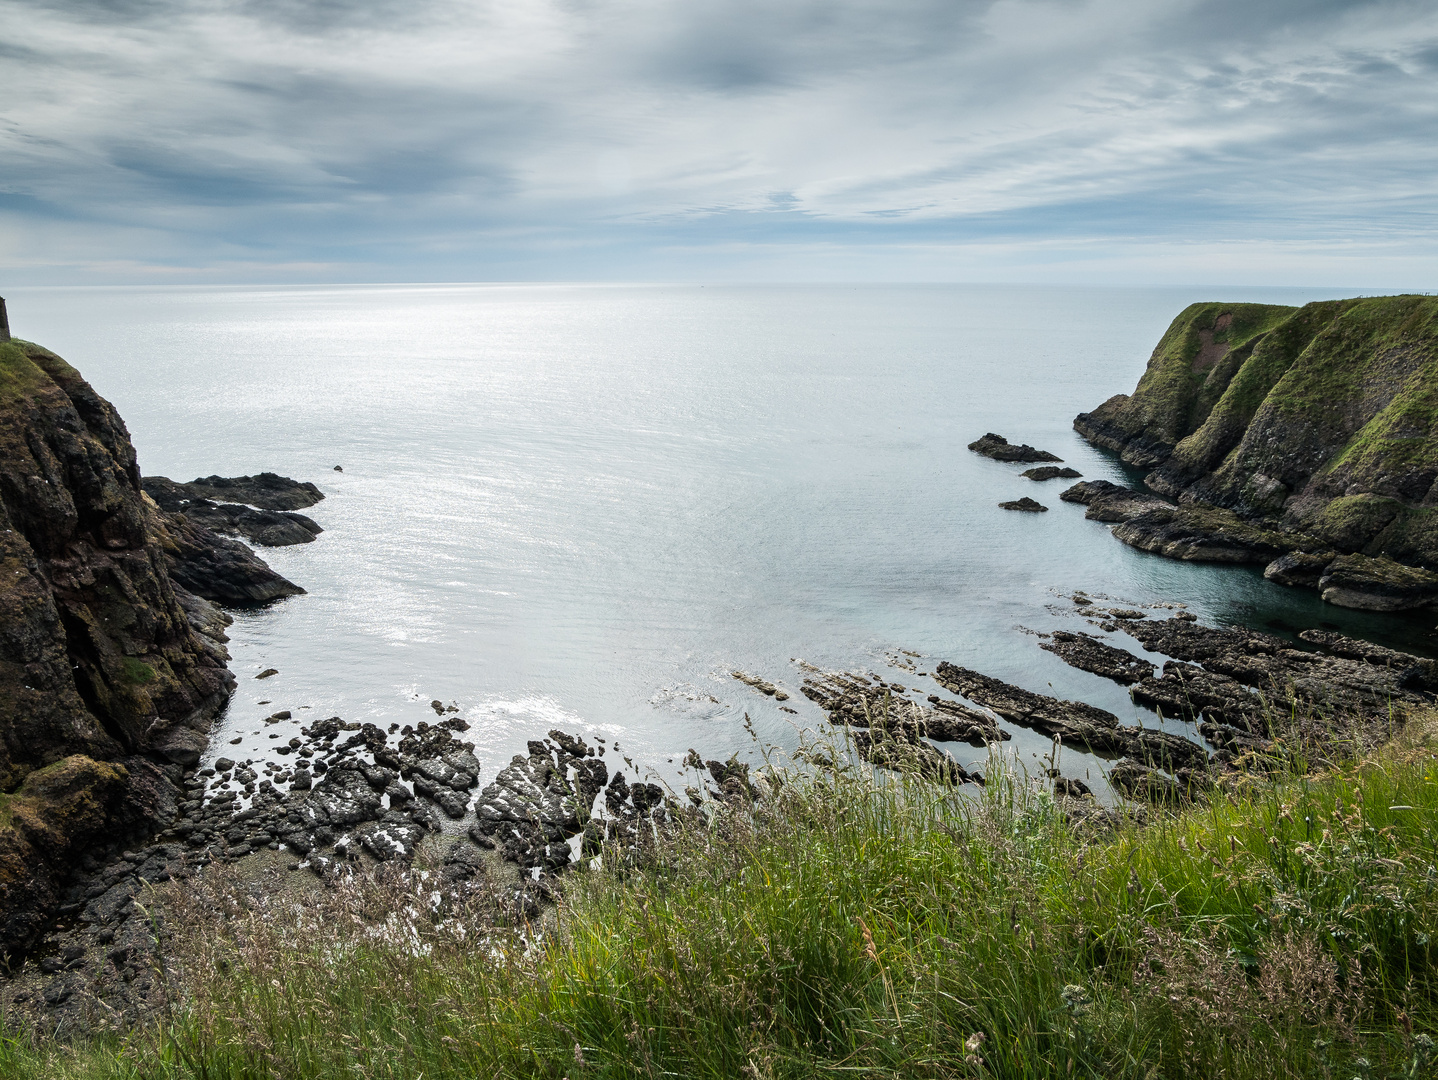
pixel 1286 928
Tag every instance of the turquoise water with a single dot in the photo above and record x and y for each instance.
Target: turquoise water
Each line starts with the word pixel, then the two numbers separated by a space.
pixel 582 506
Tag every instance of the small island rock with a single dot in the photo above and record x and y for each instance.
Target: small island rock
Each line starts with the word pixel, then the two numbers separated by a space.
pixel 1000 449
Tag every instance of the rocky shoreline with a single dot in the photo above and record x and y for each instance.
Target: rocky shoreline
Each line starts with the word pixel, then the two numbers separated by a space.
pixel 113 665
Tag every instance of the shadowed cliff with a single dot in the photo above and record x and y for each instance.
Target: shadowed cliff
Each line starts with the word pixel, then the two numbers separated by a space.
pixel 106 688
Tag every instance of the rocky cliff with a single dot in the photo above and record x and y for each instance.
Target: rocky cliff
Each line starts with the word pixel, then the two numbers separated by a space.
pixel 1304 434
pixel 107 689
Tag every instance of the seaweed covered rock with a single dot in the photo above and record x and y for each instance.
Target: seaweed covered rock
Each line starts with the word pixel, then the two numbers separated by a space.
pixel 1198 533
pixel 1377 584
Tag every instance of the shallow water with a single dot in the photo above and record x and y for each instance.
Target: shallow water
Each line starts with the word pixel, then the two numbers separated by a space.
pixel 583 506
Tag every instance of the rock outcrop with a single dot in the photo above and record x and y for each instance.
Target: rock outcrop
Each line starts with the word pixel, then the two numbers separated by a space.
pixel 1000 449
pixel 1284 431
pixel 268 527
pixel 1027 505
pixel 1050 472
pixel 107 687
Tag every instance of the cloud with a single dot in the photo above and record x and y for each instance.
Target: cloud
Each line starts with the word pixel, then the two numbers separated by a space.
pixel 541 137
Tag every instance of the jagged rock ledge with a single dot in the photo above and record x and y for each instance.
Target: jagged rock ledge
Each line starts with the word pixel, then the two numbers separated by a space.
pixel 1200 533
pixel 353 797
pixel 268 519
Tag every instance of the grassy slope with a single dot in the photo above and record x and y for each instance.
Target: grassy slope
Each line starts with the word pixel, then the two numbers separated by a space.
pixel 1172 399
pixel 1262 364
pixel 1286 929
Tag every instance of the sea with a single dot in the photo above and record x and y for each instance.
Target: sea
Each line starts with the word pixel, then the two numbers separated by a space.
pixel 584 506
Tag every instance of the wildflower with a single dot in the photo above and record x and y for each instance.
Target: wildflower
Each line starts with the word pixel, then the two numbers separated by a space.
pixel 579 1055
pixel 971 1045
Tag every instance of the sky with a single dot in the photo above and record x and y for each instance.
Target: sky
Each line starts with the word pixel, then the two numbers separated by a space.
pixel 1280 142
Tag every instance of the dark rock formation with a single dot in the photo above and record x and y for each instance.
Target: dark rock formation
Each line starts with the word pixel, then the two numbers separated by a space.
pixel 1107 501
pixel 891 731
pixel 1377 584
pixel 1292 431
pixel 269 528
pixel 1075 722
pixel 1197 533
pixel 1299 567
pixel 106 686
pixel 1025 504
pixel 1243 687
pixel 210 566
pixel 1000 449
pixel 858 702
pixel 267 491
pixel 1090 654
pixel 1050 472
pixel 537 803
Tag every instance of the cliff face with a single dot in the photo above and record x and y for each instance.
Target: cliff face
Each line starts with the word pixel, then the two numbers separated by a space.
pixel 1318 421
pixel 105 686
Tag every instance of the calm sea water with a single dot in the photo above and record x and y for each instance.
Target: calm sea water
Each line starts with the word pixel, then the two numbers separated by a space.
pixel 583 506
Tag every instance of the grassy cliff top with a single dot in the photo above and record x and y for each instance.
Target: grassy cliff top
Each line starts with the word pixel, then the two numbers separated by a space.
pixel 1274 411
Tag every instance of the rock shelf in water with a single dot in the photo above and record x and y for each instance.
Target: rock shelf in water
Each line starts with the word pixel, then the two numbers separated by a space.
pixel 268 527
pixel 1000 449
pixel 1050 472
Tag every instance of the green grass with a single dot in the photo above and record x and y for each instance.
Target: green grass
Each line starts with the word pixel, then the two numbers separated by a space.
pixel 136 672
pixel 854 926
pixel 1172 400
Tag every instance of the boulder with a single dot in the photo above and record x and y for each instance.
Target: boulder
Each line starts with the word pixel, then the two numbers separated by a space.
pixel 1303 568
pixel 1377 584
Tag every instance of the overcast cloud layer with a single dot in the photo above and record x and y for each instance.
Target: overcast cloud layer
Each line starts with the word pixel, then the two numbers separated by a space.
pixel 1279 141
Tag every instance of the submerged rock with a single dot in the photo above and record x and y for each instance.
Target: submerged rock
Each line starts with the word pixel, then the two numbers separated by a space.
pixel 1026 504
pixel 762 685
